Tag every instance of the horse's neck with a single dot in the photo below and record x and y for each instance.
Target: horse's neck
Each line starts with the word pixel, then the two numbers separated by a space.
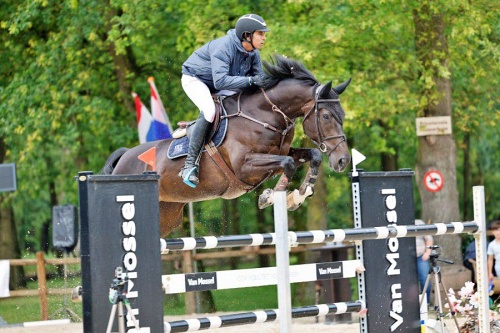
pixel 272 105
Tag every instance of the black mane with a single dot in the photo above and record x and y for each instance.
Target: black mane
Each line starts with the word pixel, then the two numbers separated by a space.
pixel 280 68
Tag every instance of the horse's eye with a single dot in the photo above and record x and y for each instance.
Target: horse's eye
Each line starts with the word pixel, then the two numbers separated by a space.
pixel 326 116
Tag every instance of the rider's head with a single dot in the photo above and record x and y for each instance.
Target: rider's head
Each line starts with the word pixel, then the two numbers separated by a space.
pixel 251 29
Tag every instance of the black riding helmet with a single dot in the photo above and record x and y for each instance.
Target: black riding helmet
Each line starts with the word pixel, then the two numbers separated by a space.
pixel 248 24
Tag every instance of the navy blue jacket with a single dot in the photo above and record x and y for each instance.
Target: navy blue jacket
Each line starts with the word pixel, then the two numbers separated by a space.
pixel 223 64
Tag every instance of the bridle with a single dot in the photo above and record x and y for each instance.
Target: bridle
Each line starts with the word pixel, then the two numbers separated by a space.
pixel 290 123
pixel 321 144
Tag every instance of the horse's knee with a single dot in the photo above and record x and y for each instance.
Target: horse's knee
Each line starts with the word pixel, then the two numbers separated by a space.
pixel 288 166
pixel 316 158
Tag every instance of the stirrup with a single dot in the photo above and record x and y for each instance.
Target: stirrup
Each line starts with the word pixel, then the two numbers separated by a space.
pixel 190 178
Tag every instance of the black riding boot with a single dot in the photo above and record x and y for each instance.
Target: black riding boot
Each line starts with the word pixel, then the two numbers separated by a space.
pixel 189 172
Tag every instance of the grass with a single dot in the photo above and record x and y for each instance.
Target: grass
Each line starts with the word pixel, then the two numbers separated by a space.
pixel 22 309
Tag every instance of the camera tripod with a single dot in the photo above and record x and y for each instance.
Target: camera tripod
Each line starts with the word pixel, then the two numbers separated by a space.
pixel 435 271
pixel 118 299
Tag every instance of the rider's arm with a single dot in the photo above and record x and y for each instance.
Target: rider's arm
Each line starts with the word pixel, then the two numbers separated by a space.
pixel 221 73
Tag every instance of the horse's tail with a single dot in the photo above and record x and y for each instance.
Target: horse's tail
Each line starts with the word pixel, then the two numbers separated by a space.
pixel 112 160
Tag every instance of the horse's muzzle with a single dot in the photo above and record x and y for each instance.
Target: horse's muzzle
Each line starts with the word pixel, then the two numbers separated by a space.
pixel 339 163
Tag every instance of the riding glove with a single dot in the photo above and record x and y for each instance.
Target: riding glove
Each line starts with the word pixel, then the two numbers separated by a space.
pixel 257 80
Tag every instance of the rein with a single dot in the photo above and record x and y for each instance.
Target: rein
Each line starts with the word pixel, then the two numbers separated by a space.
pixel 322 145
pixel 290 124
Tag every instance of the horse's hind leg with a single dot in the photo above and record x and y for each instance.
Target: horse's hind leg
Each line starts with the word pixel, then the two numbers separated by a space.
pixel 170 216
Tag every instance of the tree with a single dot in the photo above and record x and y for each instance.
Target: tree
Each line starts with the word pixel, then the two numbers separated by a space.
pixel 65 104
pixel 436 152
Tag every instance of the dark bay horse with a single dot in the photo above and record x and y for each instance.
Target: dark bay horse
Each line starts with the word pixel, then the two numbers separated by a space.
pixel 257 143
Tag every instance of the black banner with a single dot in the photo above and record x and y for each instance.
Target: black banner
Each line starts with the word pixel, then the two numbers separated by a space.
pixel 201 281
pixel 391 284
pixel 119 218
pixel 330 270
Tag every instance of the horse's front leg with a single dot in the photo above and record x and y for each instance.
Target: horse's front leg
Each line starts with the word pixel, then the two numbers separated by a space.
pixel 303 155
pixel 265 163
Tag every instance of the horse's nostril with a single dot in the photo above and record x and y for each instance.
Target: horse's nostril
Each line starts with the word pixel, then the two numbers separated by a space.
pixel 342 163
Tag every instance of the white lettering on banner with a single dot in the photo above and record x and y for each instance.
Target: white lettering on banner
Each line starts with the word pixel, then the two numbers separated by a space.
pixel 330 270
pixel 392 257
pixel 132 293
pixel 200 281
pixel 129 244
pixel 206 281
pixel 397 305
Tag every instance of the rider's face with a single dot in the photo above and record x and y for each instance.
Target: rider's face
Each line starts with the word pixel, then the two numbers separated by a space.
pixel 258 39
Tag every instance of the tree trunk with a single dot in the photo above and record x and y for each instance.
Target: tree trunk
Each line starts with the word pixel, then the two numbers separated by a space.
pixel 9 242
pixel 436 152
pixel 126 68
pixel 389 162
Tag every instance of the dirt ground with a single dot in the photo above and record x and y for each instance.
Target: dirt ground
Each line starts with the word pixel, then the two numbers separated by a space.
pixel 299 325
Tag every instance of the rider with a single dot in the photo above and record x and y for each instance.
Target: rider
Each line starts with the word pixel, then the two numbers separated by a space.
pixel 229 63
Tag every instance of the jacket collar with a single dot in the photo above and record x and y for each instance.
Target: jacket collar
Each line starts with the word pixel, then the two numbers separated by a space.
pixel 237 42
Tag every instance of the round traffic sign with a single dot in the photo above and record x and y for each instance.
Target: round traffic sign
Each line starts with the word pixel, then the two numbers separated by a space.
pixel 433 181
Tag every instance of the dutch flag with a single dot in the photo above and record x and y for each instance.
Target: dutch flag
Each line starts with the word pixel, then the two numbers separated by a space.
pixel 152 126
pixel 144 119
pixel 161 124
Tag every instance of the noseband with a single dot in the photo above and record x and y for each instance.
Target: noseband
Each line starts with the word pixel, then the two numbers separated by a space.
pixel 321 144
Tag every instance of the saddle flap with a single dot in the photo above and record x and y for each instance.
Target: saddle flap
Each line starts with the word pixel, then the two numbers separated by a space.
pixel 179 146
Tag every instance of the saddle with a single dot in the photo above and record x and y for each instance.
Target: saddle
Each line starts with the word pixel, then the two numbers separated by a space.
pixel 184 126
pixel 179 146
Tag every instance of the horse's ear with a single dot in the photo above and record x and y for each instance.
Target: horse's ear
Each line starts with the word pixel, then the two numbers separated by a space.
pixel 340 88
pixel 325 90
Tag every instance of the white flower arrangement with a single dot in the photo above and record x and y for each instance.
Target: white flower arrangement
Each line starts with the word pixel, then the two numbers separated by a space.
pixel 465 303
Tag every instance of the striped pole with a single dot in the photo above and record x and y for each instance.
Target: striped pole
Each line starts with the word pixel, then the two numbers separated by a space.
pixel 259 317
pixel 320 236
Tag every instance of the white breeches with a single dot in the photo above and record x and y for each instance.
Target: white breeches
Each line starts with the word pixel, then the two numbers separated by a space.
pixel 199 93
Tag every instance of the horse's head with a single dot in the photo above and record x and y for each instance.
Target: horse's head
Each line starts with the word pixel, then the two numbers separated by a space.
pixel 323 125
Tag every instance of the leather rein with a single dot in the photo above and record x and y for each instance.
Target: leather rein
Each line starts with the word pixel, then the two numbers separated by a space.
pixel 290 124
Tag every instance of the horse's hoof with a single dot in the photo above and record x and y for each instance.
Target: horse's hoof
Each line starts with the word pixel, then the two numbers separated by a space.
pixel 307 189
pixel 292 208
pixel 266 199
pixel 294 200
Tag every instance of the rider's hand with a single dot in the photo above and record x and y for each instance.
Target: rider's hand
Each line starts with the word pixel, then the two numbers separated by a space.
pixel 257 80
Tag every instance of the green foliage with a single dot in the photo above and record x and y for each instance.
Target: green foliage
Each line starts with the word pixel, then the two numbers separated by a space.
pixel 64 104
